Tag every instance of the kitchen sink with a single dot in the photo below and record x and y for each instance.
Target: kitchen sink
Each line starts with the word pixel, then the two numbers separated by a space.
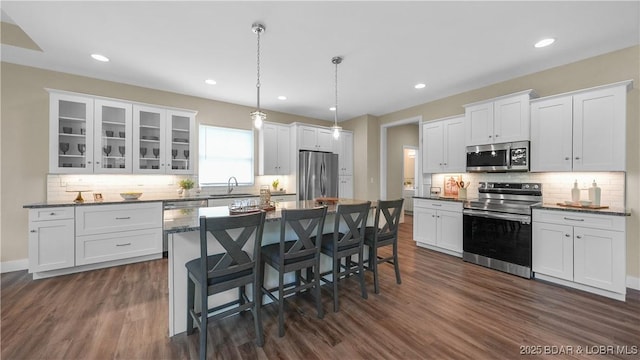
pixel 232 195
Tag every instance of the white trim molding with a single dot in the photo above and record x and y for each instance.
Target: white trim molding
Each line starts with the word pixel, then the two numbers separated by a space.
pixel 383 151
pixel 633 282
pixel 14 265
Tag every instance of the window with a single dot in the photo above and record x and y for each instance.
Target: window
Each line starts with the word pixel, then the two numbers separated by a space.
pixel 225 152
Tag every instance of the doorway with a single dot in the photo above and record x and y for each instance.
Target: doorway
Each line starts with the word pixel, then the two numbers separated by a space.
pixel 410 176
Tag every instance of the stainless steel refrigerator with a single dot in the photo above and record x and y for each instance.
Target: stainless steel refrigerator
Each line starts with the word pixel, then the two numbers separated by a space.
pixel 317 175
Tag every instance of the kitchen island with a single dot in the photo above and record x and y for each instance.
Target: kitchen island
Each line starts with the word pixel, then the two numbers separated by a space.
pixel 182 229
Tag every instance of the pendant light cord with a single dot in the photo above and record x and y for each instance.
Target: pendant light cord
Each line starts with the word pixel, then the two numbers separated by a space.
pixel 335 115
pixel 259 30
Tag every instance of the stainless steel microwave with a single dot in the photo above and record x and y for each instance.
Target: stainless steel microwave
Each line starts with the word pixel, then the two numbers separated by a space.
pixel 504 157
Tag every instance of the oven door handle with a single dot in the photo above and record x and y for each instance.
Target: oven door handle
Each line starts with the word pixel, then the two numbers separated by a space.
pixel 524 219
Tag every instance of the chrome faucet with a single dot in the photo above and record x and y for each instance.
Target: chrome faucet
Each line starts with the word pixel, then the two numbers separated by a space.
pixel 229 187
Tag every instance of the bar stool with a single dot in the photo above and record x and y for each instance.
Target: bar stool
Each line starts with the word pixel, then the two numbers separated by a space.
pixel 381 235
pixel 234 268
pixel 339 245
pixel 295 251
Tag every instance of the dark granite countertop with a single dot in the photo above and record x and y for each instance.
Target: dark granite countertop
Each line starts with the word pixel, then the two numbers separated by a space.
pixel 143 198
pixel 184 220
pixel 608 211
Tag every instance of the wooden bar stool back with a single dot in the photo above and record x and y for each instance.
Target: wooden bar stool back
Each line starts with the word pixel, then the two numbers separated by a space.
pixel 240 237
pixel 296 250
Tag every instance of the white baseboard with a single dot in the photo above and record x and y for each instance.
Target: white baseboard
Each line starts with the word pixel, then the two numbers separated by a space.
pixel 633 282
pixel 14 265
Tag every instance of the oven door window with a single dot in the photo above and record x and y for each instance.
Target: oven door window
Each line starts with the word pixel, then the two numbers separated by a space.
pixel 499 239
pixel 487 158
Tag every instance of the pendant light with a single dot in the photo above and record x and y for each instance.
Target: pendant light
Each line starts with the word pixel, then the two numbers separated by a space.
pixel 258 116
pixel 336 129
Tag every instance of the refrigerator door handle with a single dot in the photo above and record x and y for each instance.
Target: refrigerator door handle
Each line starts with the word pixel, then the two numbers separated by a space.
pixel 323 178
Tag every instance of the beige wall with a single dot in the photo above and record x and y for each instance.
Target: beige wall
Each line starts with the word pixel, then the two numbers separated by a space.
pixel 24 136
pixel 366 156
pixel 600 70
pixel 397 137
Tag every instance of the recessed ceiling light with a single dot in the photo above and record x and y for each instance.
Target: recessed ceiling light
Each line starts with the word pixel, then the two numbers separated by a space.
pixel 420 86
pixel 333 108
pixel 282 97
pixel 544 42
pixel 210 81
pixel 100 57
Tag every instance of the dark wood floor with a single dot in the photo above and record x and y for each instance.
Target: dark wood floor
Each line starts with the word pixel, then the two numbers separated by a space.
pixel 445 308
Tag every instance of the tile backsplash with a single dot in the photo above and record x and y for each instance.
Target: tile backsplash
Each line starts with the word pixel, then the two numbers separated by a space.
pixel 556 186
pixel 63 188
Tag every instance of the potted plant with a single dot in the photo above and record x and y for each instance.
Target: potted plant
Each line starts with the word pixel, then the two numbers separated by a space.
pixel 275 184
pixel 186 185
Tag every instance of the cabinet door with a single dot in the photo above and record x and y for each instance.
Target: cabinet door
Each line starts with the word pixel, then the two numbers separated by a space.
pixel 552 252
pixel 424 225
pixel 98 248
pixel 455 155
pixel 551 134
pixel 148 140
pixel 511 119
pixel 307 138
pixel 268 152
pixel 432 147
pixel 599 258
pixel 345 153
pixel 324 140
pixel 449 230
pixel 599 130
pixel 70 134
pixel 180 138
pixel 345 187
pixel 112 137
pixel 479 124
pixel 284 150
pixel 51 245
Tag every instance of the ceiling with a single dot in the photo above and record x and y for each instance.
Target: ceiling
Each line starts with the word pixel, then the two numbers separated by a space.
pixel 388 47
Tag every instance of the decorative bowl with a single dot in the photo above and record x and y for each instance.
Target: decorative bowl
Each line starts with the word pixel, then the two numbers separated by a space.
pixel 585 202
pixel 131 195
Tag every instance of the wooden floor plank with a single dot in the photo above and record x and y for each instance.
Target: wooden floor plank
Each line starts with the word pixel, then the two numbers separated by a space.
pixel 444 308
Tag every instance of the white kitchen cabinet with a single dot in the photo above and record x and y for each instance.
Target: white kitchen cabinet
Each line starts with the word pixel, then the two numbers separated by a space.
pixel 274 149
pixel 114 232
pixel 345 186
pixel 112 137
pixel 51 239
pixel 581 250
pixel 315 138
pixel 437 225
pixel 580 131
pixel 499 120
pixel 443 147
pixel 344 148
pixel 283 198
pixel 552 250
pixel 162 140
pixel 70 127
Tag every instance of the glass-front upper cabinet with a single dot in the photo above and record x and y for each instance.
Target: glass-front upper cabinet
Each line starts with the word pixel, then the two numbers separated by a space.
pixel 112 137
pixel 71 133
pixel 149 137
pixel 180 137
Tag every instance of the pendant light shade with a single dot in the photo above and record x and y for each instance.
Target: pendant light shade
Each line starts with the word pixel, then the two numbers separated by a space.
pixel 258 116
pixel 336 129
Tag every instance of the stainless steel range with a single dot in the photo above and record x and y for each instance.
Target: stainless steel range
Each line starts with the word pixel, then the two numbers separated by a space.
pixel 497 226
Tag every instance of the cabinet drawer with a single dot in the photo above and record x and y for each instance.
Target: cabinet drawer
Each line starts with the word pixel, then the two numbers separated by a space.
pixel 114 246
pixel 594 221
pixel 438 205
pixel 101 219
pixel 45 214
pixel 283 198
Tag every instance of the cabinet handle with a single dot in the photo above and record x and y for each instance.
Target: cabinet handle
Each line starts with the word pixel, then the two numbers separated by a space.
pixel 52 214
pixel 579 236
pixel 489 136
pixel 97 162
pixel 127 244
pixel 567 158
pixel 572 219
pixel 436 204
pixel 577 157
pixel 88 162
pixel 445 164
pixel 497 135
pixel 123 218
pixel 33 231
pixel 567 235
